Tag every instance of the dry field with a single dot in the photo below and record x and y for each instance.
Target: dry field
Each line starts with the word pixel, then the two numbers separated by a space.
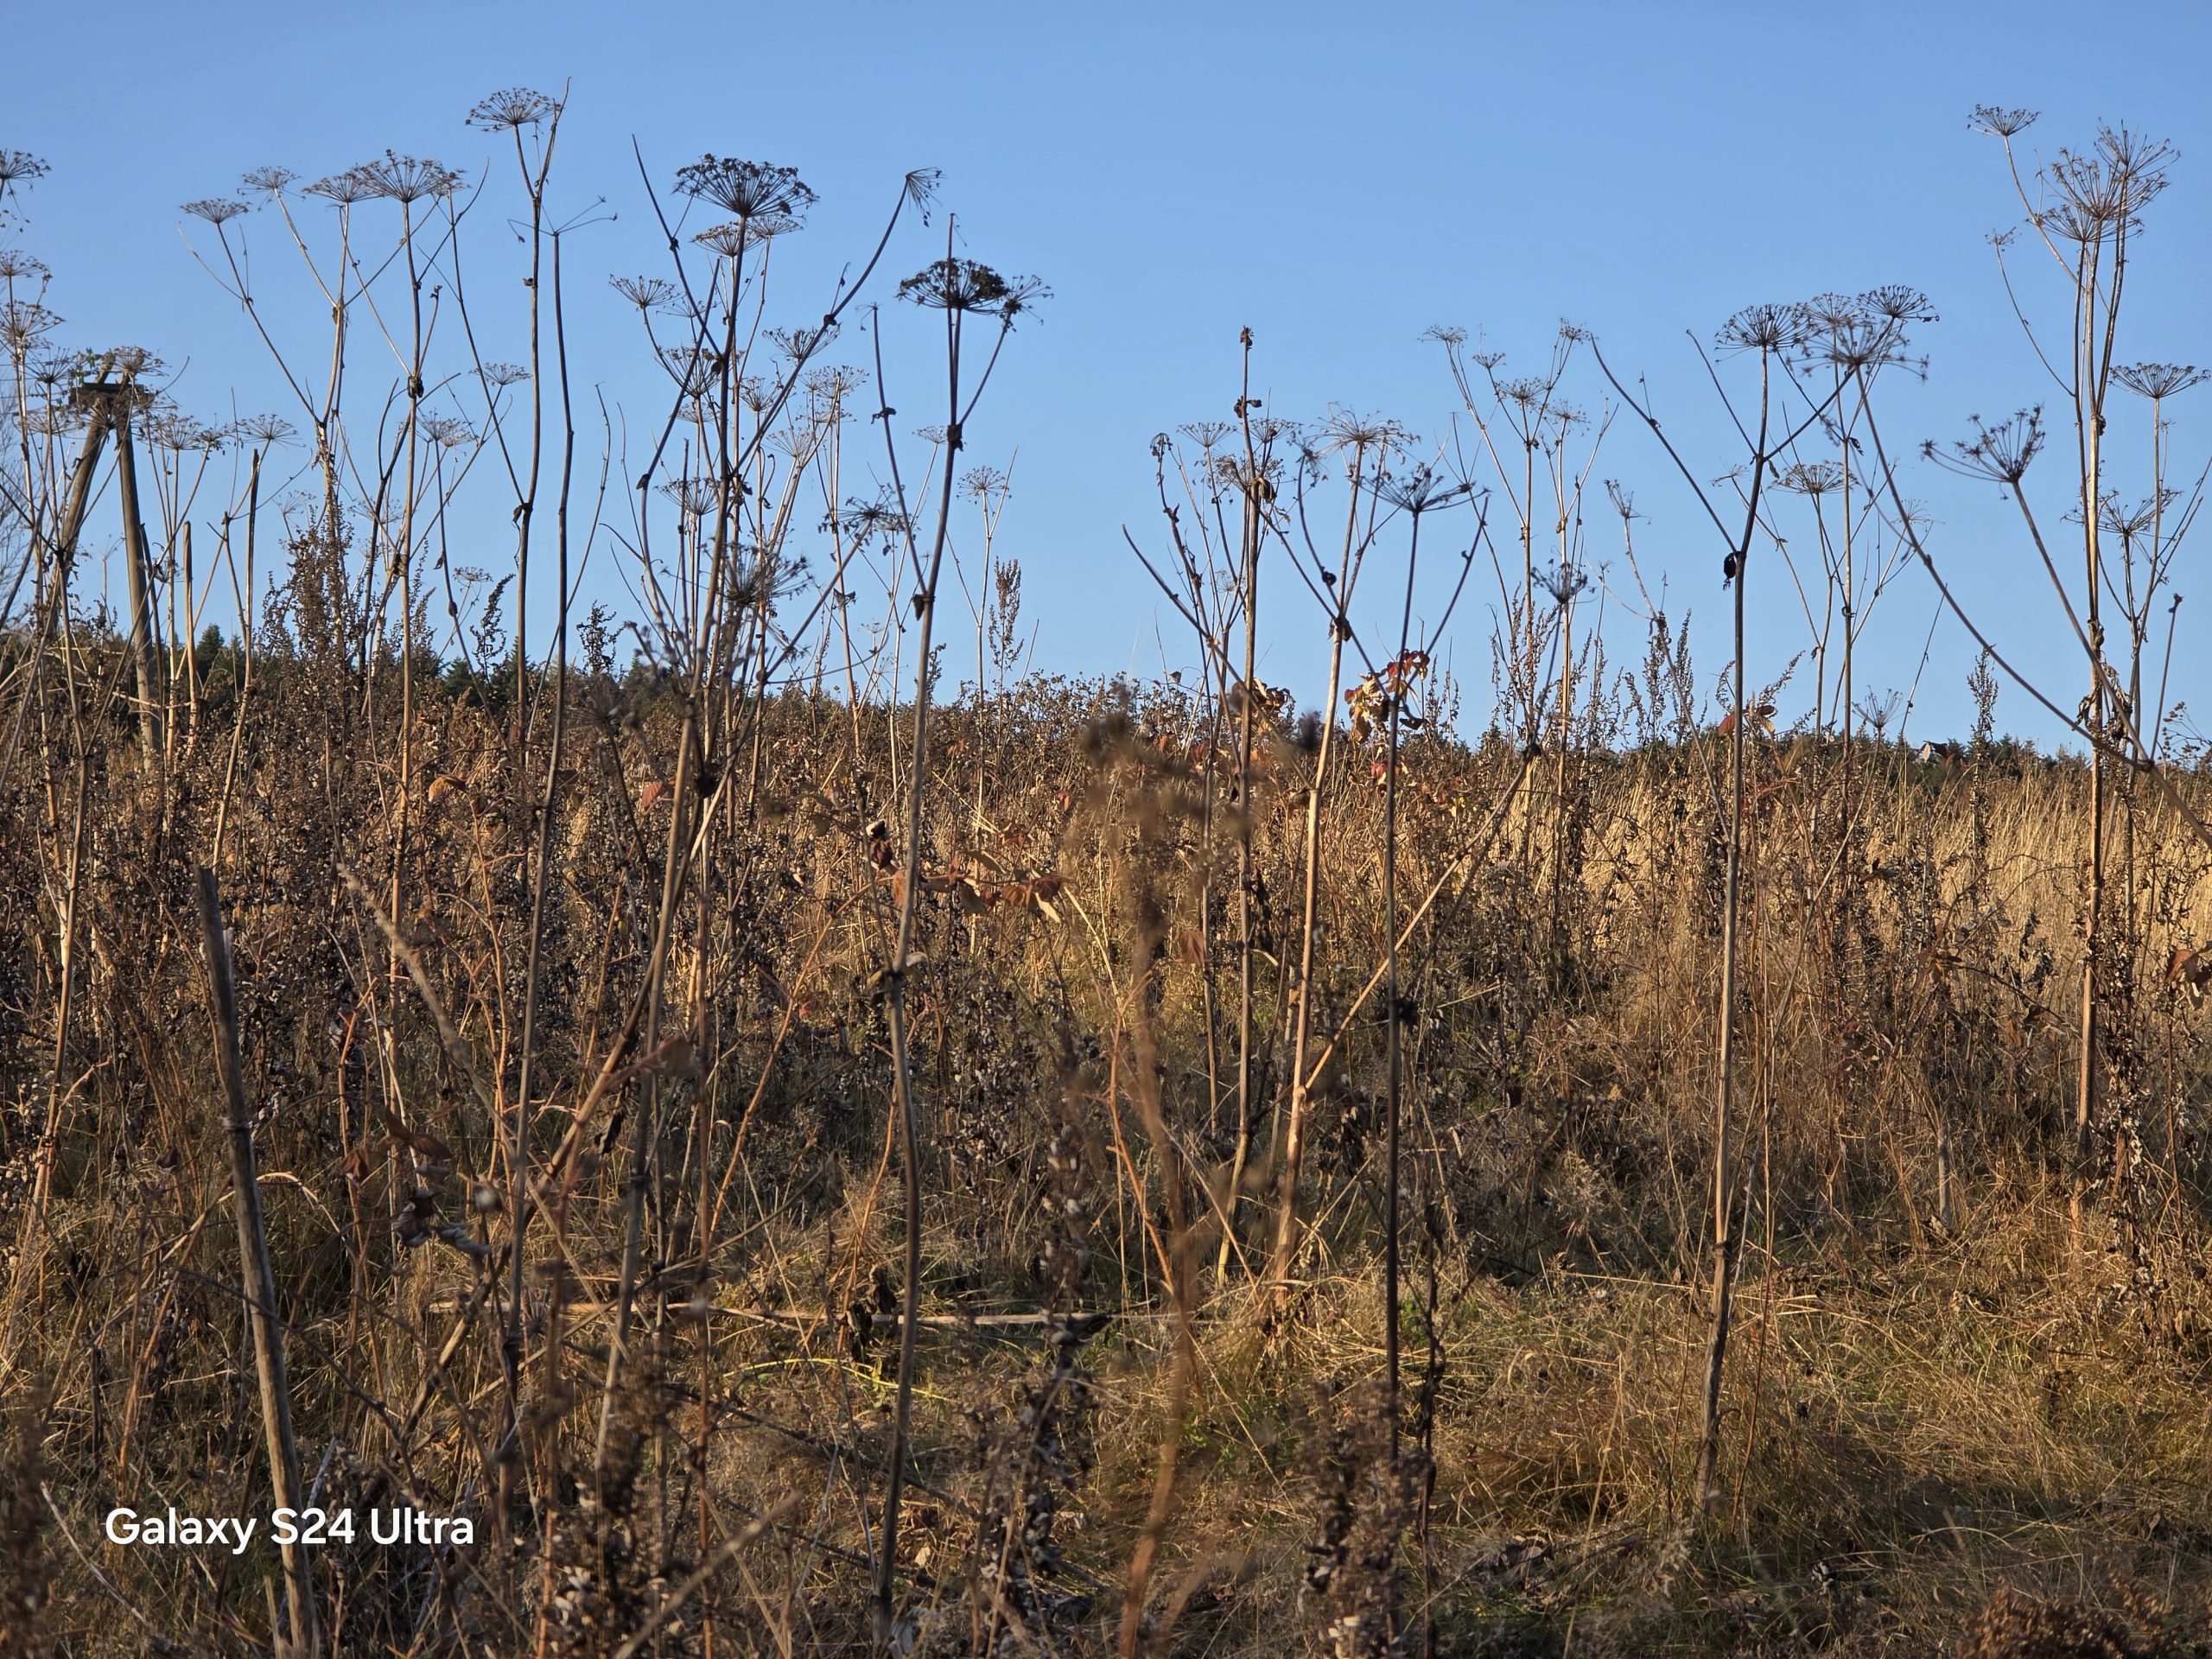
pixel 763 1124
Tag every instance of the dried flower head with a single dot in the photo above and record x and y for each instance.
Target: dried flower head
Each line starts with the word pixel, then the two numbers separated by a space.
pixel 2131 523
pixel 1418 491
pixel 2104 189
pixel 799 344
pixel 506 374
pixel 267 430
pixel 343 189
pixel 19 166
pixel 2000 123
pixel 2001 453
pixel 515 107
pixel 269 180
pixel 969 285
pixel 2158 380
pixel 166 427
pixel 216 210
pixel 1766 328
pixel 735 237
pixel 15 265
pixel 24 323
pixel 1348 429
pixel 646 293
pixel 880 518
pixel 1898 303
pixel 983 483
pixel 1526 393
pixel 129 362
pixel 747 190
pixel 52 420
pixel 1813 478
pixel 448 431
pixel 1563 583
pixel 408 179
pixel 833 383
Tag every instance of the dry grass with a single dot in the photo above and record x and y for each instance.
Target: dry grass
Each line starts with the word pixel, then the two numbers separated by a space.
pixel 1919 1413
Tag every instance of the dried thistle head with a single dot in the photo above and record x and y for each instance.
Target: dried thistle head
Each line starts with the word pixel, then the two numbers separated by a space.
pixel 747 189
pixel 512 108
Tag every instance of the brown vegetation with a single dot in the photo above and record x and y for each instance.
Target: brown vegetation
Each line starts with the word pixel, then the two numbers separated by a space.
pixel 804 1160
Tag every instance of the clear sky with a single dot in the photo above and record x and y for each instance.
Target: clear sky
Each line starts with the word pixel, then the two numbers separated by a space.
pixel 1337 178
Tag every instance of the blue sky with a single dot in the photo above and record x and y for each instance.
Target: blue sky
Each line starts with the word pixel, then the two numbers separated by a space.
pixel 1336 178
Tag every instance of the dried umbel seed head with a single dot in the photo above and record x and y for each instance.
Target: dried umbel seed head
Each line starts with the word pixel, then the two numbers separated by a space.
pixel 2001 453
pixel 408 179
pixel 747 189
pixel 738 235
pixel 1813 478
pixel 2000 123
pixel 2158 380
pixel 265 430
pixel 448 431
pixel 646 293
pixel 1421 490
pixel 969 285
pixel 217 210
pixel 1766 328
pixel 343 189
pixel 513 108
